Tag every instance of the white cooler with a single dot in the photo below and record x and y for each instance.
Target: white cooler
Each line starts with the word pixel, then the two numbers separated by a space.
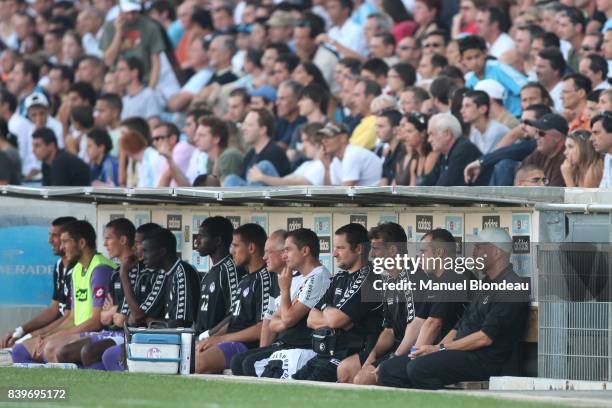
pixel 154 353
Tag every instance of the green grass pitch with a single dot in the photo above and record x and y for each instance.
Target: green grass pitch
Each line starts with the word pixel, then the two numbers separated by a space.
pixel 103 389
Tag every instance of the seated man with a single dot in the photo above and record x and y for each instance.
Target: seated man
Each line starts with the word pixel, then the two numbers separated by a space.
pixel 59 309
pixel 288 323
pixel 241 329
pixel 530 175
pixel 438 310
pixel 219 286
pixel 347 319
pixel 174 296
pixel 119 241
pixel 485 336
pixel 90 284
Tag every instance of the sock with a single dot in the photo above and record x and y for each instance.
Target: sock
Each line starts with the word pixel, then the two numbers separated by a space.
pixel 20 354
pixel 111 359
pixel 95 366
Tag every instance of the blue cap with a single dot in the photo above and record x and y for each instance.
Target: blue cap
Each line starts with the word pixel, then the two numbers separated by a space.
pixel 266 91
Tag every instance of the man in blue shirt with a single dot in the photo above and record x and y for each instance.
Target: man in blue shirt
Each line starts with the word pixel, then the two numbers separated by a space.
pixel 474 53
pixel 103 168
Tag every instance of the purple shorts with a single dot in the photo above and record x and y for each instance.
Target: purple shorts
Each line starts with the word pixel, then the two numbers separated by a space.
pixel 116 336
pixel 230 349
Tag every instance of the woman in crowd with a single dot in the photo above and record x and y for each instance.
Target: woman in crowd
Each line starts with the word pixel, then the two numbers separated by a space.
pixel 142 160
pixel 416 167
pixel 400 77
pixel 583 166
pixel 72 49
pixel 425 15
pixel 307 73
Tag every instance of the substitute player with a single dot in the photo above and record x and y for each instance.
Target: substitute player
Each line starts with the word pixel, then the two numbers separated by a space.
pixel 48 320
pixel 242 328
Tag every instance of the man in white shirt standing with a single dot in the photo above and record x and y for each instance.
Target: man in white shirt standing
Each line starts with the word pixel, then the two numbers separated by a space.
pixel 601 137
pixel 493 25
pixel 346 164
pixel 344 30
pixel 550 66
pixel 485 132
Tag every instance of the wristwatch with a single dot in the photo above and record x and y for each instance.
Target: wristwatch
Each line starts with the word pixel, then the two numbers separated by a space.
pixel 441 347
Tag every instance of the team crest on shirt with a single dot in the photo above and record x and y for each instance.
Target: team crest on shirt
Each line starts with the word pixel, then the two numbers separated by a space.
pixel 245 292
pixel 99 293
pixel 211 288
pixel 485 300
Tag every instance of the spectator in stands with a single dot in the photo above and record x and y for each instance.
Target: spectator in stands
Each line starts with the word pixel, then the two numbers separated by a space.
pixel 220 51
pixel 431 65
pixel 382 46
pixel 412 99
pixel 387 132
pixel 347 164
pixel 143 160
pixel 530 175
pixel 89 24
pixel 166 140
pixel 307 73
pixel 312 104
pixel 22 129
pixel 415 166
pixel 305 35
pixel 572 28
pixel 493 26
pixel 549 153
pixel 550 66
pixel 473 54
pixel 22 82
pixel 310 172
pixel 60 79
pixel 591 44
pixel 59 168
pixel 485 132
pixel 139 100
pixel 400 77
pixel 107 115
pixel 238 106
pixel 267 155
pixel 459 355
pixel 91 70
pixel 534 93
pixel 37 109
pixel 364 135
pixel 284 65
pixel 426 14
pixel 103 168
pixel 280 27
pixel 10 162
pixel 496 94
pixel 145 42
pixel 576 88
pixel 601 138
pixel 288 112
pixel 344 32
pixel 375 69
pixel 592 107
pixel 441 88
pixel 595 67
pixel 464 22
pixel 583 166
pixel 456 152
pixel 524 36
pixel 82 119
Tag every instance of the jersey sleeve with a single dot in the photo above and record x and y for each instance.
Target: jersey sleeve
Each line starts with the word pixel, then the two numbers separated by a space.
pixel 313 291
pixel 352 305
pixel 100 284
pixel 184 294
pixel 57 296
pixel 262 299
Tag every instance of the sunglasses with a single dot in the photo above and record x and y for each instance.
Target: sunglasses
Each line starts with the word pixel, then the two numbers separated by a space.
pixel 586 48
pixel 581 134
pixel 159 138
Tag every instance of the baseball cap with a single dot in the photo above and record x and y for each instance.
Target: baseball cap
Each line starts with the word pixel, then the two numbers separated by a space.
pixel 497 237
pixel 550 121
pixel 36 99
pixel 333 129
pixel 129 5
pixel 280 18
pixel 266 92
pixel 494 89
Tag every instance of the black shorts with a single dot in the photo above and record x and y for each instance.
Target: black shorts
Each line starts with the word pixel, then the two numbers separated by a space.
pixel 319 368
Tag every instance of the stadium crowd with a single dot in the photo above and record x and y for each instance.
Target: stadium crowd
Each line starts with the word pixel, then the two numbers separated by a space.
pixel 268 308
pixel 306 92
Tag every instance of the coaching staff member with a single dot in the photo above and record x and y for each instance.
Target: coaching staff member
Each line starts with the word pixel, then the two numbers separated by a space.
pixel 486 334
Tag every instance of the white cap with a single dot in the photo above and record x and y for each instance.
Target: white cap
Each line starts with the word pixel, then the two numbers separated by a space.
pixel 36 99
pixel 495 236
pixel 129 5
pixel 494 89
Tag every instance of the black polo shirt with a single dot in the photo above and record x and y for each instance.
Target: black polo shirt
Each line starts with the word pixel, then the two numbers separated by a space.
pixel 502 320
pixel 399 305
pixel 273 153
pixel 354 294
pixel 66 170
pixel 451 167
pixel 446 305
